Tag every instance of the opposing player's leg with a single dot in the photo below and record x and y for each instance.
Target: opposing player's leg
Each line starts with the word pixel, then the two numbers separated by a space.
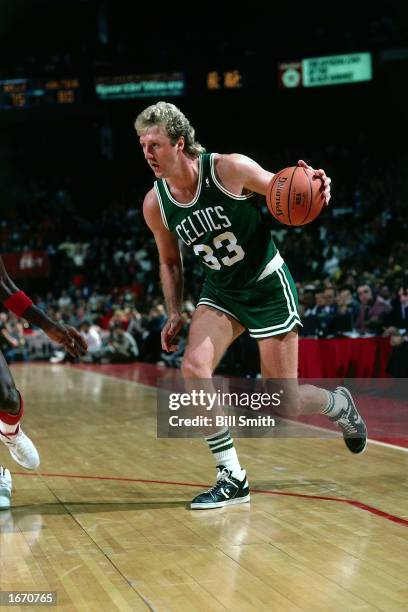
pixel 279 360
pixel 211 333
pixel 5 488
pixel 20 446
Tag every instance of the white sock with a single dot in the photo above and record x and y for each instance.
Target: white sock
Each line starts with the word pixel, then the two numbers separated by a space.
pixel 222 447
pixel 336 402
pixel 7 429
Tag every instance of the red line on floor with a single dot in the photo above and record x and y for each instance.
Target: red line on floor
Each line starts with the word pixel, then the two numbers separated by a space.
pixel 351 502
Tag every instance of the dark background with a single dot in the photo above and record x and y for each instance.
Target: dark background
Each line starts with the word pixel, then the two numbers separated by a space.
pixel 86 38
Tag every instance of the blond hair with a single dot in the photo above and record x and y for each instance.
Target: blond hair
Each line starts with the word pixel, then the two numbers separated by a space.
pixel 174 122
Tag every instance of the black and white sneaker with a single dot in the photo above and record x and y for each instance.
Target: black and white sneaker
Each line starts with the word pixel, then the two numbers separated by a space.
pixel 352 424
pixel 227 491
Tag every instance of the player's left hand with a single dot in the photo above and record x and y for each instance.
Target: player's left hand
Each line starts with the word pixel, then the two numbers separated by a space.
pixel 69 338
pixel 319 174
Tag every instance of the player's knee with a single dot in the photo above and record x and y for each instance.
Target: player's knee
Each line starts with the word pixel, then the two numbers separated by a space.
pixel 9 398
pixel 195 367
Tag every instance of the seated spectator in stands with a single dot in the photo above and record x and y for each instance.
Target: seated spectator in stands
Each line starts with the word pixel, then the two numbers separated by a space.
pixel 308 301
pixel 93 338
pixel 64 300
pixel 317 320
pixel 398 361
pixel 328 311
pixel 7 342
pixel 384 294
pixel 347 310
pixel 398 316
pixel 135 327
pixel 330 296
pixel 121 317
pixel 120 348
pixel 310 318
pixel 372 312
pixel 12 341
pixel 152 340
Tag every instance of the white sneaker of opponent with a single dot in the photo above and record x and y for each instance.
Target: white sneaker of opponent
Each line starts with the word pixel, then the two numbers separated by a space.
pixel 5 488
pixel 21 449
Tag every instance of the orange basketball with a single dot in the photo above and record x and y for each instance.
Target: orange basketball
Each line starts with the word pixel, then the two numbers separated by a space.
pixel 293 197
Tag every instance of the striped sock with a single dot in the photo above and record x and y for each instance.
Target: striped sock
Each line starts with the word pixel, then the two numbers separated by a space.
pixel 222 447
pixel 336 402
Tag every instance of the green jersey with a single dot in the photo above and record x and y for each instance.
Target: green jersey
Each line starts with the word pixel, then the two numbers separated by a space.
pixel 225 231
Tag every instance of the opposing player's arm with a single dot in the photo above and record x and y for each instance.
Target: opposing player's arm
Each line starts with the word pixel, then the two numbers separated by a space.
pixel 171 269
pixel 18 302
pixel 239 172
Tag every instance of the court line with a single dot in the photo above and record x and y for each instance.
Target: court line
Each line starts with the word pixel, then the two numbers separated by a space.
pixel 338 434
pixel 351 502
pixel 356 504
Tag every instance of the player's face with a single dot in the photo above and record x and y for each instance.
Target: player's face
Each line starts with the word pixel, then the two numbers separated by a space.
pixel 159 152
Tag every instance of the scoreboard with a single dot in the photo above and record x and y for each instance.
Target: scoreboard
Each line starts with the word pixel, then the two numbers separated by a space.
pixel 65 92
pixel 130 86
pixel 38 93
pixel 326 70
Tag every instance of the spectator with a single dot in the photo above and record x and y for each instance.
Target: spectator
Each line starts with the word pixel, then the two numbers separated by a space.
pixel 64 299
pixel 372 312
pixel 152 341
pixel 120 348
pixel 398 361
pixel 93 338
pixel 398 316
pixel 346 313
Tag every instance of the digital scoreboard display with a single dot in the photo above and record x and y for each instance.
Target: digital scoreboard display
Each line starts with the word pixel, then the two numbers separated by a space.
pixel 228 79
pixel 326 70
pixel 140 86
pixel 38 93
pixel 337 69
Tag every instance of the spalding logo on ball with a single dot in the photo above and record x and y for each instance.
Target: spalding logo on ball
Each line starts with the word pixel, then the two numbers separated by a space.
pixel 293 197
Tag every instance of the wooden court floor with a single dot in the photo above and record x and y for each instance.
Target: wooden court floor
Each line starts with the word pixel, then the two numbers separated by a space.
pixel 105 522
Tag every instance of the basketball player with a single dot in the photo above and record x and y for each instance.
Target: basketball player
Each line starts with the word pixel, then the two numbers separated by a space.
pixel 204 201
pixel 20 446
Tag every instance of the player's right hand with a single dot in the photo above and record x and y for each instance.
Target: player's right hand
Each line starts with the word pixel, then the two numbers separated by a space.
pixel 319 174
pixel 169 332
pixel 68 337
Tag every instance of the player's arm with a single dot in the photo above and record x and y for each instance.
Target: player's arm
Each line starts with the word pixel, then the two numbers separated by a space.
pixel 171 270
pixel 18 302
pixel 239 172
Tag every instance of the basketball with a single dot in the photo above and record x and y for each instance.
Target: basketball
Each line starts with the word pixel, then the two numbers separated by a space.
pixel 293 197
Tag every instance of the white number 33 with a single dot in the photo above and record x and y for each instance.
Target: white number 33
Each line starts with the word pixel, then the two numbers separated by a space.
pixel 226 239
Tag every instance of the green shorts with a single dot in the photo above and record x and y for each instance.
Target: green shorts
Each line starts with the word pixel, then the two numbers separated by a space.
pixel 268 307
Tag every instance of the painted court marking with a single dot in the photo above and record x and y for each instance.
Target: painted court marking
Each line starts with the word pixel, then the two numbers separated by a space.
pixel 351 502
pixel 123 378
